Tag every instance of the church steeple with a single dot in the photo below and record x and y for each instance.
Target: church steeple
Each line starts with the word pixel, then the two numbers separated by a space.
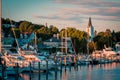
pixel 89 23
pixel 90 29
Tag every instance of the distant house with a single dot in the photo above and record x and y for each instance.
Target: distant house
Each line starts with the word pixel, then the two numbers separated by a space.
pixel 53 42
pixel 8 25
pixel 25 38
pixel 7 41
pixel 59 43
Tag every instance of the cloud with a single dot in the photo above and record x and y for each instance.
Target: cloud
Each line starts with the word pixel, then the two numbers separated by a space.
pixel 94 7
pixel 99 9
pixel 45 17
pixel 89 3
pixel 102 12
pixel 77 14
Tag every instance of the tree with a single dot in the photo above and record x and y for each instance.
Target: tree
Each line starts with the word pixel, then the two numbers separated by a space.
pixel 43 33
pixel 117 36
pixel 83 45
pixel 79 38
pixel 92 46
pixel 54 29
pixel 16 31
pixel 26 26
pixel 103 38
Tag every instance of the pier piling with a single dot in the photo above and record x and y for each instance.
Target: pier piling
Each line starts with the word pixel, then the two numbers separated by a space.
pixel 55 69
pixel 70 66
pixel 47 69
pixel 30 71
pixel 3 69
pixel 17 67
pixel 39 70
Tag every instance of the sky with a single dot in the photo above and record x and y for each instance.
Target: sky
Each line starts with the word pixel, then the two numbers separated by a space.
pixel 105 14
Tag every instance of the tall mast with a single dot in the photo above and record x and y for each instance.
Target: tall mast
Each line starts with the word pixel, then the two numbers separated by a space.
pixel 66 41
pixel 0 28
pixel 35 41
pixel 62 42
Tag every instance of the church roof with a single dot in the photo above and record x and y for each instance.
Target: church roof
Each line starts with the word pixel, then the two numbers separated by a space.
pixel 89 23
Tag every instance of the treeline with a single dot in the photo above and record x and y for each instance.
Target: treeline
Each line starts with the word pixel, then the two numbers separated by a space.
pixel 42 31
pixel 79 38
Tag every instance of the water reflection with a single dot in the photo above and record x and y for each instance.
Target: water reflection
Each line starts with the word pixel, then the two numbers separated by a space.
pixel 110 66
pixel 65 76
pixel 91 72
pixel 25 76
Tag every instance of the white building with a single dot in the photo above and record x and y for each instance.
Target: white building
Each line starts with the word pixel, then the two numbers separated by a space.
pixel 90 29
pixel 117 46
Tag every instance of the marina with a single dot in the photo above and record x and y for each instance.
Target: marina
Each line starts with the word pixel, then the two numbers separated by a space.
pixel 59 40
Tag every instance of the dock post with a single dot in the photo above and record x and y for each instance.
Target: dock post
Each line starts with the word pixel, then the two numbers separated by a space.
pixel 65 62
pixel 16 69
pixel 70 66
pixel 61 65
pixel 77 65
pixel 30 70
pixel 39 70
pixel 55 69
pixel 46 69
pixel 3 69
pixel 75 62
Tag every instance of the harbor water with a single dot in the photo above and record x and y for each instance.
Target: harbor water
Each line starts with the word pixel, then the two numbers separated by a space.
pixel 109 71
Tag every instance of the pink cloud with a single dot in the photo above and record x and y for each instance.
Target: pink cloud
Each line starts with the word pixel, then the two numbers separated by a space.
pixel 113 10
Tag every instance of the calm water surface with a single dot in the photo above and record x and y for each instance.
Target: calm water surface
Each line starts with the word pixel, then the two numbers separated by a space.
pixel 109 71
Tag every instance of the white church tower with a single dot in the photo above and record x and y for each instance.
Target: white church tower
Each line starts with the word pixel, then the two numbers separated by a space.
pixel 90 29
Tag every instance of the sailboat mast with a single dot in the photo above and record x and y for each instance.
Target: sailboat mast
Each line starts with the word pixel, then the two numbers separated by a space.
pixel 35 41
pixel 62 42
pixel 66 41
pixel 0 27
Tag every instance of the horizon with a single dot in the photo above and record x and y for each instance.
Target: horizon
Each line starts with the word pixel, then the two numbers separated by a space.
pixel 63 13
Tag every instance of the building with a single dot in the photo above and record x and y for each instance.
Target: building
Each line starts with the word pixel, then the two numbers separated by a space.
pixel 58 43
pixel 25 38
pixel 7 41
pixel 90 29
pixel 117 46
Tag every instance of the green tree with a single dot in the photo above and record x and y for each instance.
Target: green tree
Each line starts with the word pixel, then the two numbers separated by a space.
pixel 83 45
pixel 43 33
pixel 117 36
pixel 92 46
pixel 103 38
pixel 79 38
pixel 54 29
pixel 26 26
